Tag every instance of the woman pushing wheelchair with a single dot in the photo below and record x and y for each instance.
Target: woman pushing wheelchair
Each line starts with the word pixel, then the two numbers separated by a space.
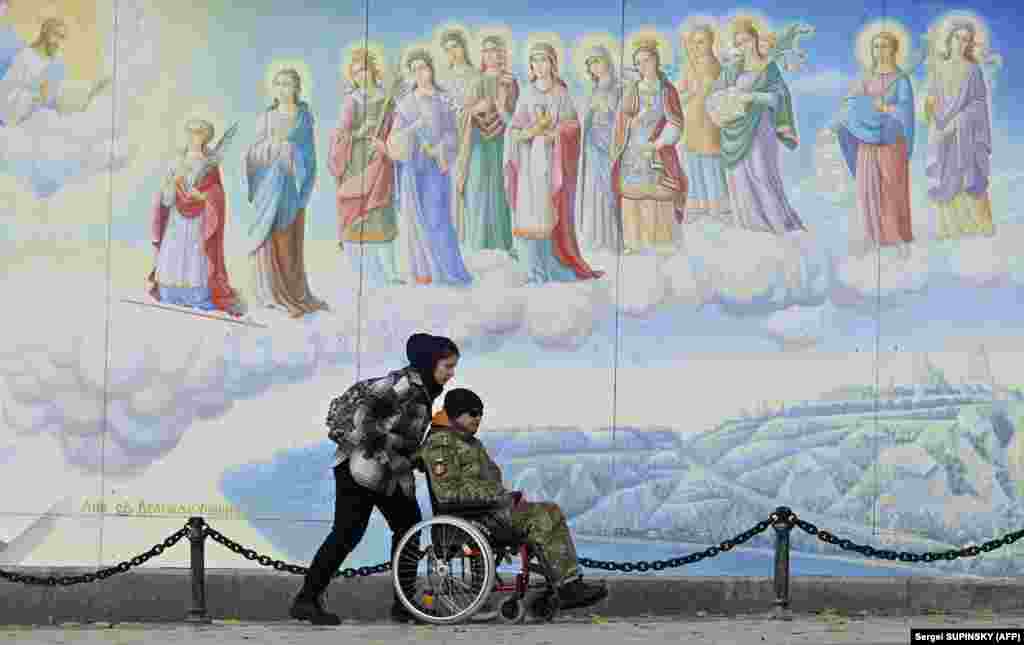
pixel 378 425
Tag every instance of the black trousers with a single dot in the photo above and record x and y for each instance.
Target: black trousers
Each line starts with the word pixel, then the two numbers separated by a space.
pixel 353 506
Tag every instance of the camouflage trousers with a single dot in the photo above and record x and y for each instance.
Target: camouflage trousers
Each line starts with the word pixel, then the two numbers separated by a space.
pixel 545 526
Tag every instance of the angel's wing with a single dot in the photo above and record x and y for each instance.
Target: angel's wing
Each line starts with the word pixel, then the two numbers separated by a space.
pixel 225 141
pixel 791 36
pixel 787 47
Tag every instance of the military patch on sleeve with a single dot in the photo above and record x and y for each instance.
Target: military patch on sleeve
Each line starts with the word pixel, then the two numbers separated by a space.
pixel 440 469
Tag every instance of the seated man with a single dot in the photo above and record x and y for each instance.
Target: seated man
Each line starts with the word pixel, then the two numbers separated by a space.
pixel 462 473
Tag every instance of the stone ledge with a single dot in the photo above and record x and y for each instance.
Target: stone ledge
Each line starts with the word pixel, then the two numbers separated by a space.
pixel 164 595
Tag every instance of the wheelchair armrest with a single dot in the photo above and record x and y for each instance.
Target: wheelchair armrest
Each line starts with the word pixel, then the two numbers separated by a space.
pixel 464 508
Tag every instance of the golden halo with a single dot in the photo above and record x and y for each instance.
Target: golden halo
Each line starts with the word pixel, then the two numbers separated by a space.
pixel 501 31
pixel 548 38
pixel 686 31
pixel 867 35
pixel 300 66
pixel 761 24
pixel 85 52
pixel 436 48
pixel 376 50
pixel 665 50
pixel 939 30
pixel 584 44
pixel 28 22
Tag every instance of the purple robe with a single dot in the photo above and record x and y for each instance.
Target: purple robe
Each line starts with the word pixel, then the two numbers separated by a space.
pixel 961 162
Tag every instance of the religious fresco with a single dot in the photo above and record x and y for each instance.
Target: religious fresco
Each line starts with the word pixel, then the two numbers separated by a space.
pixel 700 263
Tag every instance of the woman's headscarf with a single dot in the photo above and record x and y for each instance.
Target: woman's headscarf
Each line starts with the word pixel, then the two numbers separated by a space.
pixel 424 352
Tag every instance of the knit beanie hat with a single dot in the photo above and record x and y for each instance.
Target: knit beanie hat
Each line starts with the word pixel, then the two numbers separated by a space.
pixel 460 401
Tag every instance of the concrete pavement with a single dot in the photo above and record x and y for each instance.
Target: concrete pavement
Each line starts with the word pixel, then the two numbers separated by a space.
pixel 150 594
pixel 745 629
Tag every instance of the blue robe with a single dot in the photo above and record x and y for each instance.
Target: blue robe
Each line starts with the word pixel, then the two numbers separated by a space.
pixel 424 194
pixel 865 124
pixel 276 194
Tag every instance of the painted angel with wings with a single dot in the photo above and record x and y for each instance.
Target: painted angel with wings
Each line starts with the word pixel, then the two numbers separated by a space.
pixel 188 226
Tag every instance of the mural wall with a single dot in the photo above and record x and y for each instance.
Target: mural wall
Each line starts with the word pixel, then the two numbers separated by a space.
pixel 701 262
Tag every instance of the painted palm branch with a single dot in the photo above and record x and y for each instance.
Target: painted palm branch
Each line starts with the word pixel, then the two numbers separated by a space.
pixel 225 141
pixel 396 91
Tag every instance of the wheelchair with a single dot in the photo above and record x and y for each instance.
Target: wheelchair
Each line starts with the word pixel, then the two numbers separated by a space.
pixel 445 569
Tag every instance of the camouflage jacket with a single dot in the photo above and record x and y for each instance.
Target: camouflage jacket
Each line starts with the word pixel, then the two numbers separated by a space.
pixel 393 411
pixel 460 471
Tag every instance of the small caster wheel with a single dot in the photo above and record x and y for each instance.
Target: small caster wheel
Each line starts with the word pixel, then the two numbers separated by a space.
pixel 546 607
pixel 512 611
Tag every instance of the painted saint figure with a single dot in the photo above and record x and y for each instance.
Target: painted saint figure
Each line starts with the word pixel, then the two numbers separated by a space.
pixel 877 140
pixel 367 225
pixel 958 113
pixel 702 140
pixel 486 221
pixel 280 170
pixel 597 208
pixel 750 144
pixel 542 150
pixel 33 76
pixel 646 173
pixel 459 85
pixel 423 144
pixel 188 228
pixel 30 79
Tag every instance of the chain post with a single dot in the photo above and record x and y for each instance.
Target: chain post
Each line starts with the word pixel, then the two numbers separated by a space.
pixel 783 526
pixel 197 536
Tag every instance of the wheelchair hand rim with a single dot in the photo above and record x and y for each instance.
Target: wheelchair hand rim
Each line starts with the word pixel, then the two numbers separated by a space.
pixel 489 570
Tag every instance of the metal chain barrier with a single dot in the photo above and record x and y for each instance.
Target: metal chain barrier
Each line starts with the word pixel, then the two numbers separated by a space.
pixel 783 519
pixel 102 574
pixel 280 565
pixel 903 556
pixel 658 565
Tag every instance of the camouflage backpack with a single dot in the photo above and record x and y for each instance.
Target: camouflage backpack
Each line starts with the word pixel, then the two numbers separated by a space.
pixel 340 427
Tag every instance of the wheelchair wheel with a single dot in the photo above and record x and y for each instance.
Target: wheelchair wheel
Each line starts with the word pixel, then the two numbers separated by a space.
pixel 443 570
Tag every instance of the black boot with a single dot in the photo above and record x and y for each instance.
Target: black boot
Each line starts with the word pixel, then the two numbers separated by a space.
pixel 399 614
pixel 307 606
pixel 577 594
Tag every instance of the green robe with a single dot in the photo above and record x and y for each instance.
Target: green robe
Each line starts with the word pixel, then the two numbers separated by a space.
pixel 738 136
pixel 486 216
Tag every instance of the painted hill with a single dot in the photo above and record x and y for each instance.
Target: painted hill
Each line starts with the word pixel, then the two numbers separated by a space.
pixel 925 469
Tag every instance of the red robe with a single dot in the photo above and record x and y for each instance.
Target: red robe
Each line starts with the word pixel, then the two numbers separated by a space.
pixel 366 191
pixel 564 169
pixel 212 211
pixel 672 176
